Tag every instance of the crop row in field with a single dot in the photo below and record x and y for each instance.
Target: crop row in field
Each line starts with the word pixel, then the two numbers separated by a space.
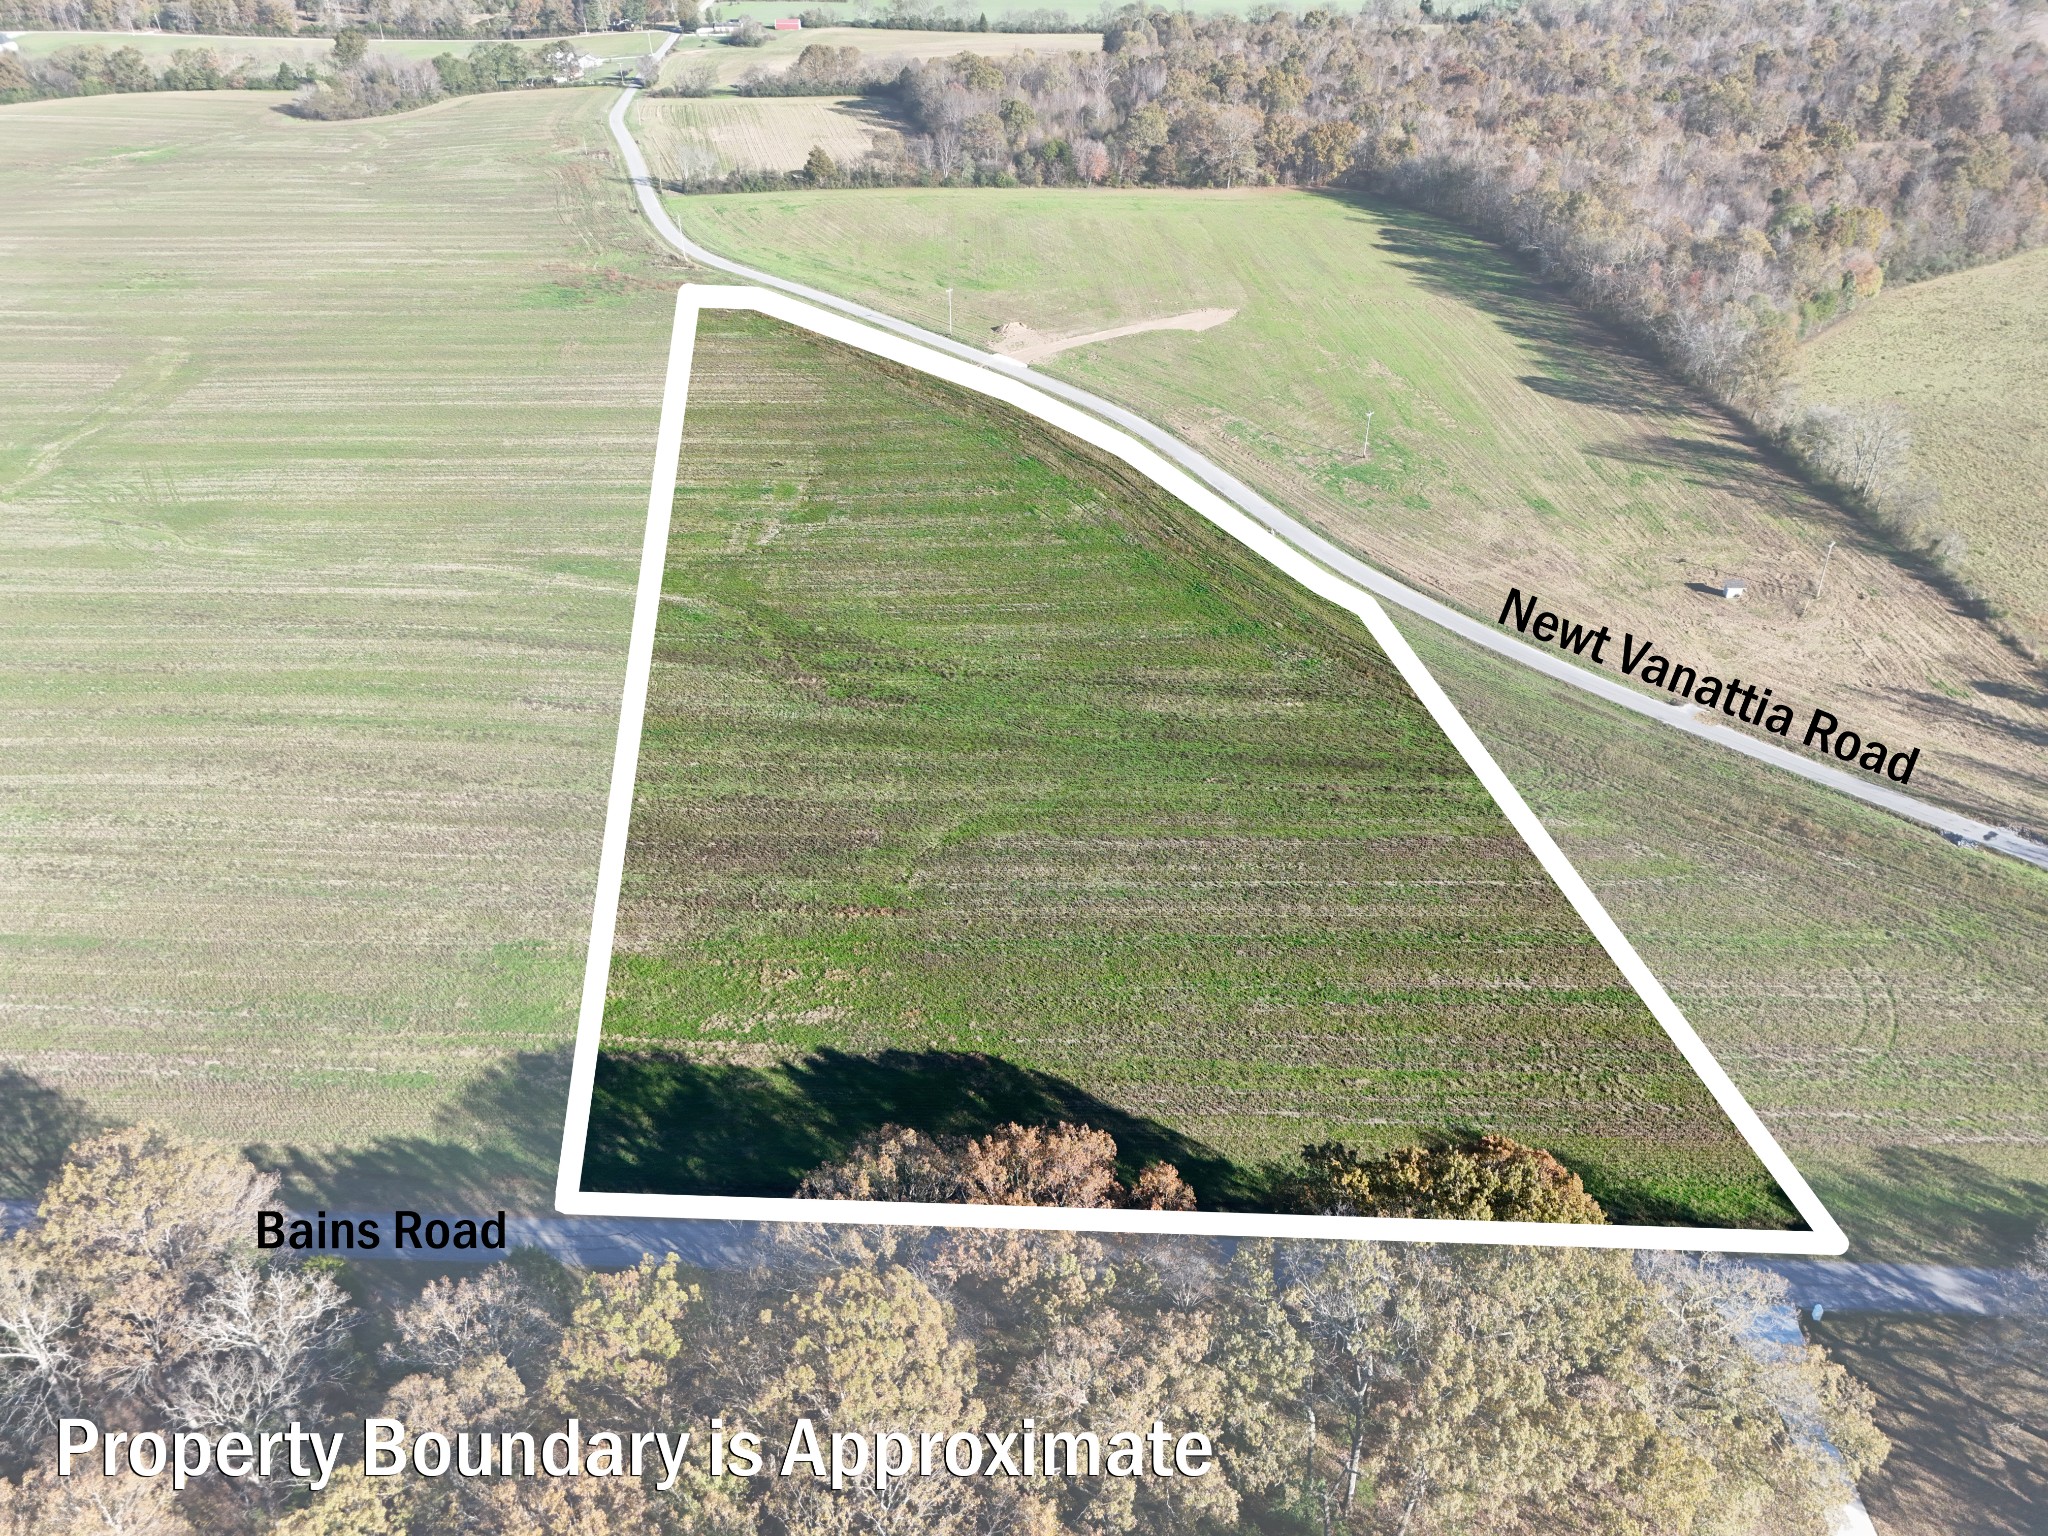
pixel 315 547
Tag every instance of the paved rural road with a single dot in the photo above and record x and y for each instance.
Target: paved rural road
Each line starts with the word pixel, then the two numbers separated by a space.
pixel 1955 826
pixel 600 1242
pixel 605 1241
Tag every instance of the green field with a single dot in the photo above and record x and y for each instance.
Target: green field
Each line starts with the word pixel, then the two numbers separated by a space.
pixel 1961 356
pixel 316 547
pixel 1513 444
pixel 1881 998
pixel 981 781
pixel 316 541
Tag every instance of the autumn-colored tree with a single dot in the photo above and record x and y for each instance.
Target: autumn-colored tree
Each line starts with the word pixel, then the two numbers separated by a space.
pixel 1491 1179
pixel 1065 1165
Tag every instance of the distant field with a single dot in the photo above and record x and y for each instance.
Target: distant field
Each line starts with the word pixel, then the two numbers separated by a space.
pixel 982 781
pixel 159 46
pixel 1513 444
pixel 715 135
pixel 315 553
pixel 876 44
pixel 1962 356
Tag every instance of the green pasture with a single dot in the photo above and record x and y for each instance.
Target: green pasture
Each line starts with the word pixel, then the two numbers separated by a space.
pixel 317 539
pixel 1879 996
pixel 982 781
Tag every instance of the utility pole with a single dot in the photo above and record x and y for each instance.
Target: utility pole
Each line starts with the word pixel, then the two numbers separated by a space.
pixel 1824 559
pixel 949 311
pixel 1368 434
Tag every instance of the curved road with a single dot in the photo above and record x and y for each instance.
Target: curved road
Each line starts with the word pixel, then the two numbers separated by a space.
pixel 1954 825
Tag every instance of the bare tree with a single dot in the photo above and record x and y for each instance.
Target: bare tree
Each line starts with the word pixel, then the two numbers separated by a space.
pixel 258 1348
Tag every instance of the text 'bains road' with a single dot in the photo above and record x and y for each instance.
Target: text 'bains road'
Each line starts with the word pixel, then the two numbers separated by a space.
pixel 1749 703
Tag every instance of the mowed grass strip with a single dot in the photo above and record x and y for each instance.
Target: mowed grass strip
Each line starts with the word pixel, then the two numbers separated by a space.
pixel 1514 444
pixel 982 781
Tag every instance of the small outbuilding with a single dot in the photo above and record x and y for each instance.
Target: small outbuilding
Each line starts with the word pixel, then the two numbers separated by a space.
pixel 1734 589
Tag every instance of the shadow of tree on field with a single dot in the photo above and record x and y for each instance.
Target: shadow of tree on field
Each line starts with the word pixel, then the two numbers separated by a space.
pixel 1965 1404
pixel 1580 359
pixel 497 1145
pixel 1919 1205
pixel 38 1124
pixel 662 1124
pixel 1704 463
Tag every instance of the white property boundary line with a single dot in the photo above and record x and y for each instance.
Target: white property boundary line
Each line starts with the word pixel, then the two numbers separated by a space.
pixel 1825 1237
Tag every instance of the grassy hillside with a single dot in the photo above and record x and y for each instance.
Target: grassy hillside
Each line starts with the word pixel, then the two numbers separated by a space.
pixel 1512 444
pixel 876 44
pixel 1961 358
pixel 982 781
pixel 719 134
pixel 323 455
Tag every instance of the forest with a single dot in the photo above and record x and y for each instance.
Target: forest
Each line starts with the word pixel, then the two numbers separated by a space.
pixel 1345 1387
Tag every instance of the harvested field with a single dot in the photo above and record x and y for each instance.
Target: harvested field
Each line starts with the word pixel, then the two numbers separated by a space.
pixel 1513 442
pixel 714 136
pixel 316 546
pixel 982 781
pixel 1961 357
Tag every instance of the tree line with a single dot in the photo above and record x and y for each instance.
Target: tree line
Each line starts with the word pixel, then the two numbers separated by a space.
pixel 352 83
pixel 1347 1387
pixel 452 19
pixel 1489 1178
pixel 92 70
